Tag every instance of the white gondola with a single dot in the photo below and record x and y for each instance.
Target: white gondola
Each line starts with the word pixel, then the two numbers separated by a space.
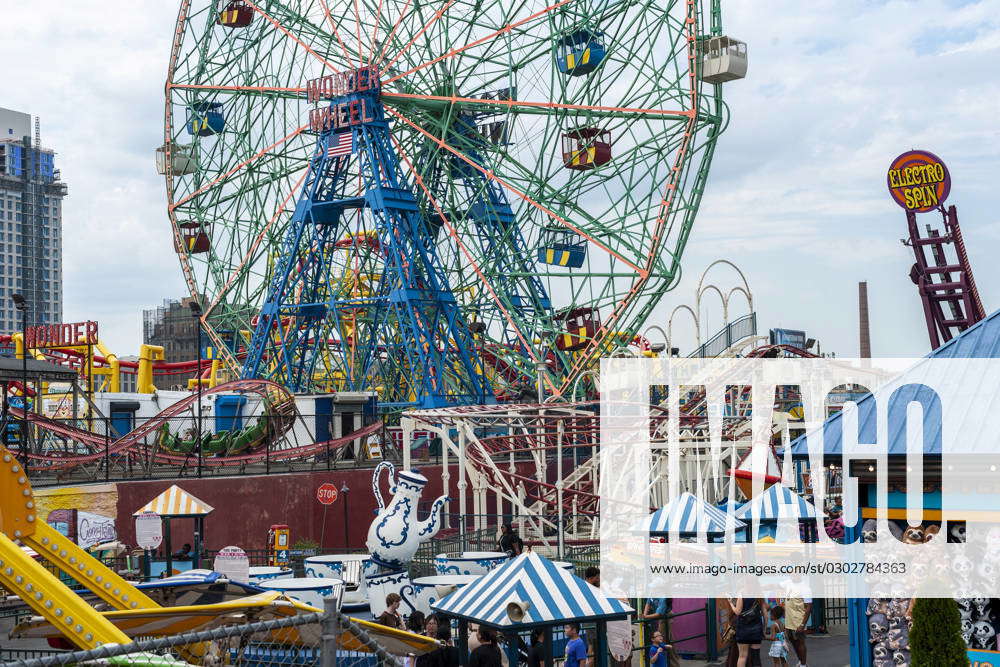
pixel 182 160
pixel 724 59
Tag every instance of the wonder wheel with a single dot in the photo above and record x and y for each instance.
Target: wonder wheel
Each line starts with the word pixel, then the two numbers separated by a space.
pixel 437 201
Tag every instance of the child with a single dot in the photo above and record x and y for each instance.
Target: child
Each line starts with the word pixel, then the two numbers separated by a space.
pixel 658 651
pixel 776 633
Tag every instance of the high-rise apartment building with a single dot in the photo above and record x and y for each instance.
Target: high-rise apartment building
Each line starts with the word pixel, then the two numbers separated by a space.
pixel 31 195
pixel 174 328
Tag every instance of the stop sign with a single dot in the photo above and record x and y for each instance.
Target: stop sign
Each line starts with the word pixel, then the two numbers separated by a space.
pixel 326 493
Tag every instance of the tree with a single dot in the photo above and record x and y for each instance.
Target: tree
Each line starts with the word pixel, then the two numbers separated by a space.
pixel 936 637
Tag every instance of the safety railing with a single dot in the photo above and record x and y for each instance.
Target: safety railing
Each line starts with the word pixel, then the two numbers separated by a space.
pixel 734 332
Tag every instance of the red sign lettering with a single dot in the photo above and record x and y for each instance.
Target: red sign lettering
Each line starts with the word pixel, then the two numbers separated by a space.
pixel 61 335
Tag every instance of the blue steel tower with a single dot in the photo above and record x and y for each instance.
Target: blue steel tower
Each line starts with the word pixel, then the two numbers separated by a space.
pixel 412 335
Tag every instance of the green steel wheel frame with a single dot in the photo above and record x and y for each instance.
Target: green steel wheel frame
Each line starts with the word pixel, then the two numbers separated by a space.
pixel 442 65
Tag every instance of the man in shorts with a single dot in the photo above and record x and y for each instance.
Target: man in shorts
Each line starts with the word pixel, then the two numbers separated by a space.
pixel 798 607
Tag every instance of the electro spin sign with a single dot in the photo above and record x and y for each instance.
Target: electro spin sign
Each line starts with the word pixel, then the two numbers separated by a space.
pixel 918 181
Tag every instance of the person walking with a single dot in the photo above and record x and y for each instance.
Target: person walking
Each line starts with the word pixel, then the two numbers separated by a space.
pixel 658 610
pixel 415 622
pixel 798 608
pixel 432 658
pixel 748 613
pixel 536 654
pixel 776 633
pixel 448 653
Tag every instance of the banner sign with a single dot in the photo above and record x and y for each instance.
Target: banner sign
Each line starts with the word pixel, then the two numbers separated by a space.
pixel 918 181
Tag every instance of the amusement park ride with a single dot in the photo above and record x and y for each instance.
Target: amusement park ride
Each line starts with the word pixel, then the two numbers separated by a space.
pixel 458 207
pixel 455 209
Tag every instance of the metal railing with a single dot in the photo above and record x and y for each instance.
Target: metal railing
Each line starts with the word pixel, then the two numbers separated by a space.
pixel 735 331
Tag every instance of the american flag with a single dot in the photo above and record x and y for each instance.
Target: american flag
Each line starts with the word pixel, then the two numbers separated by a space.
pixel 340 144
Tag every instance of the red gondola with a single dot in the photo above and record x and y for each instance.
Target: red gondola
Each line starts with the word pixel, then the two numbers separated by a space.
pixel 586 148
pixel 194 237
pixel 237 14
pixel 581 325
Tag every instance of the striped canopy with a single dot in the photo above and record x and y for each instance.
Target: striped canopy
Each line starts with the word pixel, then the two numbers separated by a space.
pixel 553 595
pixel 767 506
pixel 175 501
pixel 686 514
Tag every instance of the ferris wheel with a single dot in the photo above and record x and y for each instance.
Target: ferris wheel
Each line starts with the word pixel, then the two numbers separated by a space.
pixel 437 201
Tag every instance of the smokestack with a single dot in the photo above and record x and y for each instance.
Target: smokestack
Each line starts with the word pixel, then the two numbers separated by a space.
pixel 863 329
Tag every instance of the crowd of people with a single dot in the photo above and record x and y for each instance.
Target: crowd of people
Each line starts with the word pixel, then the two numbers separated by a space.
pixel 752 620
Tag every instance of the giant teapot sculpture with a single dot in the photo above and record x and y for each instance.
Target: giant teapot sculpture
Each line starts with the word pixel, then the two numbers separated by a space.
pixel 395 533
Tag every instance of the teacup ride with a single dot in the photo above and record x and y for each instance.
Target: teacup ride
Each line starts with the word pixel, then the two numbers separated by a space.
pixel 469 562
pixel 308 590
pixel 428 590
pixel 351 568
pixel 259 573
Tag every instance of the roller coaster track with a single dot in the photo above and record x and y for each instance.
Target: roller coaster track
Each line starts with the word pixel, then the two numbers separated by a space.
pixel 280 405
pixel 489 456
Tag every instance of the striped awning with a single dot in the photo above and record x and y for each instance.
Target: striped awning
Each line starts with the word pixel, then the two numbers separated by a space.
pixel 553 595
pixel 767 506
pixel 175 501
pixel 688 515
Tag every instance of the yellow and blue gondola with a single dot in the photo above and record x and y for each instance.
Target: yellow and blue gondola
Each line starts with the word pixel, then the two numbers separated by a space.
pixel 580 52
pixel 205 119
pixel 562 247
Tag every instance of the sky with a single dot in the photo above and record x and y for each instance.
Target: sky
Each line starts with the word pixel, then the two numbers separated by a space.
pixel 796 195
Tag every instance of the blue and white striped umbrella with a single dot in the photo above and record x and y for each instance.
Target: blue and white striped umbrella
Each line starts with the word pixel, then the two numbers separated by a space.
pixel 553 596
pixel 767 506
pixel 687 514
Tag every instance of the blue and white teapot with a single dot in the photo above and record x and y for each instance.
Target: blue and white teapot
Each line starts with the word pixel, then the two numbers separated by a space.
pixel 396 533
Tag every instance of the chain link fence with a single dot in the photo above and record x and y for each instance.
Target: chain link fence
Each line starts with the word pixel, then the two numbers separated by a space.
pixel 305 640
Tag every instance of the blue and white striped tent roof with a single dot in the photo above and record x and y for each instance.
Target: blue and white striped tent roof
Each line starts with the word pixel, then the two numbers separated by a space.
pixel 554 596
pixel 767 505
pixel 687 514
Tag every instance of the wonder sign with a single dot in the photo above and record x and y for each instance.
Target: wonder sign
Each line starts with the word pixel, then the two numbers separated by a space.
pixel 918 181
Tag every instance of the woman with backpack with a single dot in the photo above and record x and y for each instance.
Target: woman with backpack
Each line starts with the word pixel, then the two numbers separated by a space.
pixel 748 615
